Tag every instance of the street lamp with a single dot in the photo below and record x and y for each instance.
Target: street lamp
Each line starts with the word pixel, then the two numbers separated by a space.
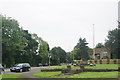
pixel 49 56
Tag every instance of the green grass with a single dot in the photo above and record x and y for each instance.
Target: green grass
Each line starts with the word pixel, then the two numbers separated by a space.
pixel 57 67
pixel 98 66
pixel 96 75
pixel 11 75
pixel 46 74
pixel 62 67
pixel 103 66
pixel 83 74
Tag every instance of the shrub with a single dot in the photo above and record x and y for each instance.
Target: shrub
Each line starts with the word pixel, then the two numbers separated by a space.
pixel 95 61
pixel 65 71
pixel 100 61
pixel 90 61
pixel 68 67
pixel 115 61
pixel 78 62
pixel 108 61
pixel 50 70
pixel 82 67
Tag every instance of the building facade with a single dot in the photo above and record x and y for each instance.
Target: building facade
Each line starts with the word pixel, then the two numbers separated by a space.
pixel 101 53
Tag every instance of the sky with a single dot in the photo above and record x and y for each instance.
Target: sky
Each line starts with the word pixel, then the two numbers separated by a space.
pixel 63 22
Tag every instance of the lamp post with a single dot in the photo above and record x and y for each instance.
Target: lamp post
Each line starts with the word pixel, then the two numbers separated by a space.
pixel 49 56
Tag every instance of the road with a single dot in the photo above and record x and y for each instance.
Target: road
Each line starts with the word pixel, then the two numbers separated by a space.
pixel 33 70
pixel 27 74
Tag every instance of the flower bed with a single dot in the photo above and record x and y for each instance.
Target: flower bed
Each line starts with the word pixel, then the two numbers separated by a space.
pixel 50 70
pixel 97 70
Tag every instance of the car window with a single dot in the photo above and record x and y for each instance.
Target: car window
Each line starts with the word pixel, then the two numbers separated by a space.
pixel 0 66
pixel 18 65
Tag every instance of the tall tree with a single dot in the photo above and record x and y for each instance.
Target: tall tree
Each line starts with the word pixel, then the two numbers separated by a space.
pixel 69 57
pixel 43 49
pixel 58 55
pixel 112 43
pixel 12 40
pixel 82 49
pixel 30 49
pixel 99 45
pixel 19 45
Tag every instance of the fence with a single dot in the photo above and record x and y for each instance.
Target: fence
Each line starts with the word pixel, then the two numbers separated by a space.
pixel 101 61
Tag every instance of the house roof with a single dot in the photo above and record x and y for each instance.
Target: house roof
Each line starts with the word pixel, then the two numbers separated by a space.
pixel 99 50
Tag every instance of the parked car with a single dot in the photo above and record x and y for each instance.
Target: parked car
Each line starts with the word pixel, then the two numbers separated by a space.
pixel 39 65
pixel 20 67
pixel 1 69
pixel 45 64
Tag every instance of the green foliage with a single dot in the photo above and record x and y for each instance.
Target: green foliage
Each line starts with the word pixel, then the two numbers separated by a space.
pixel 108 61
pixel 115 61
pixel 100 61
pixel 99 45
pixel 82 50
pixel 90 61
pixel 79 61
pixel 113 43
pixel 95 61
pixel 20 46
pixel 69 57
pixel 58 55
pixel 43 49
pixel 12 40
pixel 90 53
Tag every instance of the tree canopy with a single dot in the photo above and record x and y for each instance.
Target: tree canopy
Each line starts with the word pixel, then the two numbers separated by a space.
pixel 20 46
pixel 112 43
pixel 58 55
pixel 99 45
pixel 82 50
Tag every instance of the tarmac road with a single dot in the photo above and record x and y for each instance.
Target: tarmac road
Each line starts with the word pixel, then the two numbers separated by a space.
pixel 27 74
pixel 33 70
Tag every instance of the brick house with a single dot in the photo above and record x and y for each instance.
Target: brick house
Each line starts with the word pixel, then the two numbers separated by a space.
pixel 101 53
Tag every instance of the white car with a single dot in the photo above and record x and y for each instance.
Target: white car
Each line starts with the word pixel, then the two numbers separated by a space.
pixel 1 69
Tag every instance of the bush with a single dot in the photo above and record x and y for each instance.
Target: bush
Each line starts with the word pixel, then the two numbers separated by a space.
pixel 95 61
pixel 78 62
pixel 115 61
pixel 68 67
pixel 51 70
pixel 100 61
pixel 108 61
pixel 65 71
pixel 90 61
pixel 82 67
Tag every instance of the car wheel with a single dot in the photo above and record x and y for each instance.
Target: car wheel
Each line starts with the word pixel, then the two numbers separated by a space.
pixel 20 70
pixel 2 72
pixel 29 69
